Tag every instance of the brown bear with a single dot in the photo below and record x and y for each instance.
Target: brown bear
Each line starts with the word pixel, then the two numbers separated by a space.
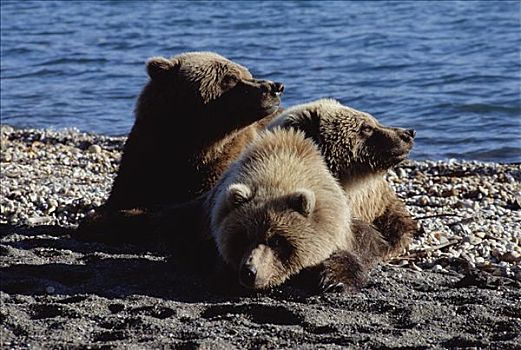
pixel 278 210
pixel 193 118
pixel 358 151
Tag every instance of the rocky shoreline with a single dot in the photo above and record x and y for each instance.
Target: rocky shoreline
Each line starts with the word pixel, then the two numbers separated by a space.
pixel 60 293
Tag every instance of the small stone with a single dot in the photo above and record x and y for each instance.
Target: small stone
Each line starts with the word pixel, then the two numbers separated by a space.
pixel 52 202
pixel 443 240
pixel 449 192
pixel 480 234
pixel 475 240
pixel 483 190
pixel 33 197
pixel 437 268
pixel 497 252
pixel 94 149
pixel 479 260
pixel 496 229
pixel 455 253
pixel 424 200
pixel 401 172
pixel 511 257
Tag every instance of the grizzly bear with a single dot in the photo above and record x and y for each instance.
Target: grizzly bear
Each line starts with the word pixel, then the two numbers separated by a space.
pixel 193 118
pixel 278 210
pixel 358 151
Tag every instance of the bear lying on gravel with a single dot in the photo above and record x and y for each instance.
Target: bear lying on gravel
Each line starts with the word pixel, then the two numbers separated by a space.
pixel 278 210
pixel 358 151
pixel 193 118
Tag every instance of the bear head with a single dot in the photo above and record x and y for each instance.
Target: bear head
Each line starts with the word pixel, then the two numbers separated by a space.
pixel 268 241
pixel 204 87
pixel 352 142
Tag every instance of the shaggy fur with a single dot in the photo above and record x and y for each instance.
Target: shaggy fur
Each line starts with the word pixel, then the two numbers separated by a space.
pixel 198 111
pixel 278 210
pixel 193 118
pixel 358 151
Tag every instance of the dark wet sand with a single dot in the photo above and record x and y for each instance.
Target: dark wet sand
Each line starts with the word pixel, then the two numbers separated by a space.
pixel 60 293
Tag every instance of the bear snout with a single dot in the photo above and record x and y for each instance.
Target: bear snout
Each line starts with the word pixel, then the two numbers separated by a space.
pixel 272 88
pixel 411 132
pixel 247 275
pixel 407 135
pixel 277 88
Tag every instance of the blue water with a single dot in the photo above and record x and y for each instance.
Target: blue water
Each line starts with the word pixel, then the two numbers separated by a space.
pixel 451 70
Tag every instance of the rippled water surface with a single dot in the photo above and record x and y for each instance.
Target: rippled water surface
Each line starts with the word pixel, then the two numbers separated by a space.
pixel 451 70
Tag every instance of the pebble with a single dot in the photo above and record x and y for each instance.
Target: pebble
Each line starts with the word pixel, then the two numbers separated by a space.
pixel 94 149
pixel 49 177
pixel 437 268
pixel 423 201
pixel 480 234
pixel 401 172
pixel 511 257
pixel 475 240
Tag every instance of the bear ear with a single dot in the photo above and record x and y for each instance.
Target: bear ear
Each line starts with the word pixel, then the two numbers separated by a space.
pixel 291 119
pixel 303 201
pixel 238 194
pixel 158 67
pixel 307 121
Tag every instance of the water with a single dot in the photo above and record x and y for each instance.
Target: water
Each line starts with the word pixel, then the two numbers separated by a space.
pixel 451 70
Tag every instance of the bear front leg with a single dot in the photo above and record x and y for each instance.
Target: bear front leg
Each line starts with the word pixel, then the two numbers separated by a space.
pixel 341 272
pixel 369 244
pixel 397 227
pixel 114 226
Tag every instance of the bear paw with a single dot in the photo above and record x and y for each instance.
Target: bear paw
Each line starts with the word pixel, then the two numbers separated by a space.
pixel 341 272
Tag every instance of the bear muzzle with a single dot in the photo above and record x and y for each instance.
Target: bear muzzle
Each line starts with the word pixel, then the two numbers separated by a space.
pixel 407 135
pixel 277 89
pixel 257 268
pixel 274 89
pixel 247 275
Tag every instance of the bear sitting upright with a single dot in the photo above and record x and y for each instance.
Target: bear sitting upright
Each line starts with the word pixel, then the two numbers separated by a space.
pixel 359 151
pixel 193 118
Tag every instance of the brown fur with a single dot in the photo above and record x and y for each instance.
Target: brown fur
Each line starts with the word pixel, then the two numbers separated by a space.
pixel 359 151
pixel 278 210
pixel 193 118
pixel 345 270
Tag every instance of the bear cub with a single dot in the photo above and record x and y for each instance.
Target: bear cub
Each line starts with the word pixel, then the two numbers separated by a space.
pixel 278 210
pixel 358 151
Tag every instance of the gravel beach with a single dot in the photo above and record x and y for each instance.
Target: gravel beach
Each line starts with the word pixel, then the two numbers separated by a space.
pixel 459 285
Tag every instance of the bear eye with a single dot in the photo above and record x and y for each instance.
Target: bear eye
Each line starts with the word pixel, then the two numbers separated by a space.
pixel 275 241
pixel 280 245
pixel 229 81
pixel 367 129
